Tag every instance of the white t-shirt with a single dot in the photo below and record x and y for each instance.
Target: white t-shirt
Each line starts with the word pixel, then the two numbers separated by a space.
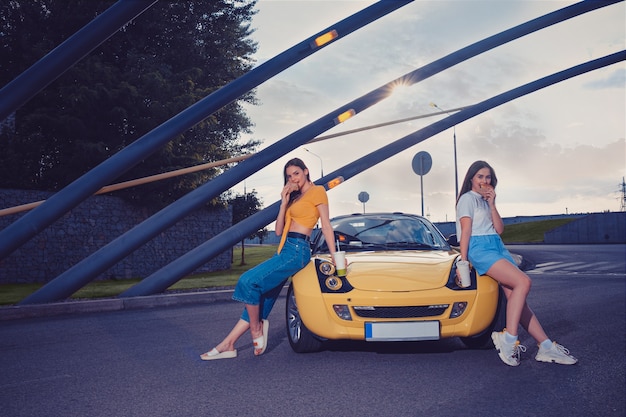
pixel 471 204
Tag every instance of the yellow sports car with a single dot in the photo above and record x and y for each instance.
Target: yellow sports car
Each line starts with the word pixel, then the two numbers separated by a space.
pixel 400 285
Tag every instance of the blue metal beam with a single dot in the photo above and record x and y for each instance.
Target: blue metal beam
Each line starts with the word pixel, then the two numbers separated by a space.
pixel 31 223
pixel 186 264
pixel 80 274
pixel 58 204
pixel 16 93
pixel 171 273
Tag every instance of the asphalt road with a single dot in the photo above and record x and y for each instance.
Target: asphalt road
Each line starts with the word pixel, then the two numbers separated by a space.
pixel 145 362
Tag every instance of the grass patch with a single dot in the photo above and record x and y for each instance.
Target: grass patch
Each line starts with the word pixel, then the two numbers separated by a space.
pixel 12 293
pixel 531 232
pixel 254 255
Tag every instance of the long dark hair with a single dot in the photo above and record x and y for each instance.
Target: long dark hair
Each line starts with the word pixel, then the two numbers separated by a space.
pixel 295 162
pixel 473 169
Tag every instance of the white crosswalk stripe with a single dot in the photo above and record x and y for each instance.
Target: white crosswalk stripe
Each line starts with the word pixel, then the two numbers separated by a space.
pixel 603 267
pixel 561 265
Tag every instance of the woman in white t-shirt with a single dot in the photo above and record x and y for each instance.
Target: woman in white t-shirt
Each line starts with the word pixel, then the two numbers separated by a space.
pixel 479 226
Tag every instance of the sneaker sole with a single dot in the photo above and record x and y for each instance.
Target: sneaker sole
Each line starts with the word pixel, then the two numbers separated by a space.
pixel 555 361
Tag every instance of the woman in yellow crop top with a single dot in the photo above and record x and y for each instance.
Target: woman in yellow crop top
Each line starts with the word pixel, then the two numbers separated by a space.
pixel 302 205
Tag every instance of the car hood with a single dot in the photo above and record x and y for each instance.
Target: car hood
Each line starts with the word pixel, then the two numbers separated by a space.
pixel 399 270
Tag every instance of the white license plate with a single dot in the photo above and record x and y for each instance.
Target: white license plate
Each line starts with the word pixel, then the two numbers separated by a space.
pixel 402 331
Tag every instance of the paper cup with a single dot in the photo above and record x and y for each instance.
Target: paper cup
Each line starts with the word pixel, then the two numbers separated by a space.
pixel 464 272
pixel 340 263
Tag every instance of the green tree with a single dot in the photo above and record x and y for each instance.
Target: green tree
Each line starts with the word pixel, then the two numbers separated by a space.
pixel 168 58
pixel 245 206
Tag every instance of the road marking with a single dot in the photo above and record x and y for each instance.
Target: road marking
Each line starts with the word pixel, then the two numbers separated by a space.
pixel 561 265
pixel 547 264
pixel 593 268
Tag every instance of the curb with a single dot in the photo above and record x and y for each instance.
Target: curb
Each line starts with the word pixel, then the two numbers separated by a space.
pixel 113 304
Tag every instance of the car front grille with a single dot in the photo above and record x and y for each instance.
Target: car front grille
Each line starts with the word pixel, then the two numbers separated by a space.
pixel 405 312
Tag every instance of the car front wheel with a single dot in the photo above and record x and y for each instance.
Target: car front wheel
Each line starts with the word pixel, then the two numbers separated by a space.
pixel 483 340
pixel 300 338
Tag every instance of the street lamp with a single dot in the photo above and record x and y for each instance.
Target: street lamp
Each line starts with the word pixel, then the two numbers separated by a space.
pixel 321 163
pixel 456 172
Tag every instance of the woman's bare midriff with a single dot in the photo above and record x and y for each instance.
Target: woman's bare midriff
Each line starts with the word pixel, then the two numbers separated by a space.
pixel 297 228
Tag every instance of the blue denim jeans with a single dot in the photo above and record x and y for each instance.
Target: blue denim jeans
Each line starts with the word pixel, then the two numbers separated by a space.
pixel 262 284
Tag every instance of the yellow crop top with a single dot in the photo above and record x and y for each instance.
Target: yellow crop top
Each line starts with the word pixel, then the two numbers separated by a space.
pixel 304 210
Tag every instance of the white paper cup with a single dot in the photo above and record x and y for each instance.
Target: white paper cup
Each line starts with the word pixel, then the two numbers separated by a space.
pixel 464 272
pixel 340 263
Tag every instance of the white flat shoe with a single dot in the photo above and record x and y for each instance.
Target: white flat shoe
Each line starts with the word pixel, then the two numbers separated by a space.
pixel 215 354
pixel 260 343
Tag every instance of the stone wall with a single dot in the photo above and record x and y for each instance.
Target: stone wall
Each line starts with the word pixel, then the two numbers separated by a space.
pixel 93 224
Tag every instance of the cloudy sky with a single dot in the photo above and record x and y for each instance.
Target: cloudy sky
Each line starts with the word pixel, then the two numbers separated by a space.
pixel 559 150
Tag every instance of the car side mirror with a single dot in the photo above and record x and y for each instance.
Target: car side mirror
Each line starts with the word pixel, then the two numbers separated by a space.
pixel 452 240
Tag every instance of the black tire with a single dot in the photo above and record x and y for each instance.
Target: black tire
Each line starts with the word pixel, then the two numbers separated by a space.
pixel 300 338
pixel 483 340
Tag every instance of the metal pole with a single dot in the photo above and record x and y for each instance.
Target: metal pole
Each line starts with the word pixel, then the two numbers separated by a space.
pixel 422 190
pixel 321 163
pixel 456 171
pixel 422 180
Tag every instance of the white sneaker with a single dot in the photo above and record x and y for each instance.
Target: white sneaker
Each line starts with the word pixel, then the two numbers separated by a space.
pixel 556 354
pixel 508 352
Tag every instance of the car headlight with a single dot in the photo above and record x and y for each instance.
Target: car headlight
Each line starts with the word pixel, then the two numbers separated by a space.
pixel 333 283
pixel 452 279
pixel 326 268
pixel 328 280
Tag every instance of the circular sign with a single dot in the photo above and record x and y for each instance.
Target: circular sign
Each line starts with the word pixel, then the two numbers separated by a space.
pixel 363 197
pixel 422 163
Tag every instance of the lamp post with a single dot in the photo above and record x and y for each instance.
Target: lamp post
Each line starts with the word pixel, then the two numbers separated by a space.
pixel 456 172
pixel 321 163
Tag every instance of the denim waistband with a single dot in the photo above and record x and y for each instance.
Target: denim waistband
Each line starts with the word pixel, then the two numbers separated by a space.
pixel 298 236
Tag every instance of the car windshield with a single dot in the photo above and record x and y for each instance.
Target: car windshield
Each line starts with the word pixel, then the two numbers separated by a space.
pixel 383 232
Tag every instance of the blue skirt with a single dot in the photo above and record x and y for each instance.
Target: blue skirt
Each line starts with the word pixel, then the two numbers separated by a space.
pixel 486 250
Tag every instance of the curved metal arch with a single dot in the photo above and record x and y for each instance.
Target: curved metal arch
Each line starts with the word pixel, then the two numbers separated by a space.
pixel 79 275
pixel 64 200
pixel 186 264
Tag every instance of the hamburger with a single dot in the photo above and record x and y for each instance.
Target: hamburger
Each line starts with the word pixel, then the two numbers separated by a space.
pixel 484 189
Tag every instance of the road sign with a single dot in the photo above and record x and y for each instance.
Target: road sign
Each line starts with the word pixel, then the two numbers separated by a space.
pixel 422 163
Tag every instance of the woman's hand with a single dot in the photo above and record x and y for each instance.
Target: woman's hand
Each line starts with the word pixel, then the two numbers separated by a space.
pixel 488 193
pixel 289 188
